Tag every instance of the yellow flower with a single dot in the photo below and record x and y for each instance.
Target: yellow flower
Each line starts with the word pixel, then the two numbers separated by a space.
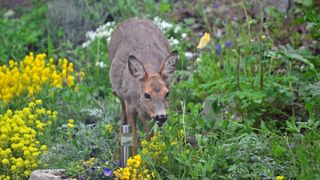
pixel 43 147
pixel 5 161
pixel 38 101
pixel 32 74
pixel 137 164
pixel 13 168
pixel 204 41
pixel 76 89
pixel 279 178
pixel 109 128
pixel 130 162
pixel 136 169
pixel 27 173
pixel 19 147
pixel 70 125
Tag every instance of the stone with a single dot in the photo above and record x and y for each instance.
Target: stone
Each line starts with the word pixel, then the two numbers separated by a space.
pixel 48 174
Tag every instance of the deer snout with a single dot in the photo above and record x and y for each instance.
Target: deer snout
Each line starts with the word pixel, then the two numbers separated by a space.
pixel 160 119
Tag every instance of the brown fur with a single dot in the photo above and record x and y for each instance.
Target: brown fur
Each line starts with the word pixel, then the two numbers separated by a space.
pixel 141 63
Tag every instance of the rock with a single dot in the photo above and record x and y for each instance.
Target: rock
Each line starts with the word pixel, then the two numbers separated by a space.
pixel 48 174
pixel 281 5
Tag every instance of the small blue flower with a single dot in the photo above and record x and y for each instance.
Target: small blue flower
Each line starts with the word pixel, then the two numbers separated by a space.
pixel 216 5
pixel 292 145
pixel 93 169
pixel 107 172
pixel 218 49
pixel 228 44
pixel 84 167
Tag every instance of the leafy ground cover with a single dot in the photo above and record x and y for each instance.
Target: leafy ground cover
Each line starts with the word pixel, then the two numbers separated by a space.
pixel 244 102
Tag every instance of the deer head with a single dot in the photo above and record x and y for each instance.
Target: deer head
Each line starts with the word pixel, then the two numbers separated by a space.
pixel 154 88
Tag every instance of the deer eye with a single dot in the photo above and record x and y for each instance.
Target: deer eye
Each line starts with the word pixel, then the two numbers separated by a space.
pixel 147 96
pixel 168 93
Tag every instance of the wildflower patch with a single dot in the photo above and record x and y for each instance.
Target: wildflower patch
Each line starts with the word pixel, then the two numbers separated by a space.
pixel 19 133
pixel 32 74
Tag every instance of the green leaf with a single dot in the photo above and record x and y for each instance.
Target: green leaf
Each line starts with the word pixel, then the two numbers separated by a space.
pixel 291 127
pixel 164 7
pixel 278 151
pixel 307 3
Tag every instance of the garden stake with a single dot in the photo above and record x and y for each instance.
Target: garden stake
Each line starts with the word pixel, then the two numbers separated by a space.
pixel 126 144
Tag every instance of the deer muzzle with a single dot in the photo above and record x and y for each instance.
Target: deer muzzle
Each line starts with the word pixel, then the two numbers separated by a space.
pixel 160 119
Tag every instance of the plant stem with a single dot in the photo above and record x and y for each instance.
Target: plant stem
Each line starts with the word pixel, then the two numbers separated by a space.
pixel 292 155
pixel 238 68
pixel 261 53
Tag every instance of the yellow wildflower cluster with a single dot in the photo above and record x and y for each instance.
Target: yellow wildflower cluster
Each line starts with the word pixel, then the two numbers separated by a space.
pixel 89 162
pixel 31 74
pixel 70 123
pixel 155 149
pixel 135 169
pixel 279 177
pixel 19 147
pixel 109 128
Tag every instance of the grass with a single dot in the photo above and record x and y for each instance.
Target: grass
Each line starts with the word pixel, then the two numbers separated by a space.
pixel 246 106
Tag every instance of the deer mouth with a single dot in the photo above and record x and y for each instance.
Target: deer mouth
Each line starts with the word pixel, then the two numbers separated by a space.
pixel 160 119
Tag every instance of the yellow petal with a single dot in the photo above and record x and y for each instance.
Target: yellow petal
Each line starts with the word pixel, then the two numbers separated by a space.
pixel 204 41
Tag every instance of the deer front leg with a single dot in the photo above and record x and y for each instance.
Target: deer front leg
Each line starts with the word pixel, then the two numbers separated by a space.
pixel 147 125
pixel 123 113
pixel 131 119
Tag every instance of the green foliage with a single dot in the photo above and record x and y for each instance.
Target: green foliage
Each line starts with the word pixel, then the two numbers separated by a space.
pixel 22 35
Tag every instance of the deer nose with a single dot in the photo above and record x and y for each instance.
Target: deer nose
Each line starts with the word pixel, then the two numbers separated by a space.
pixel 160 119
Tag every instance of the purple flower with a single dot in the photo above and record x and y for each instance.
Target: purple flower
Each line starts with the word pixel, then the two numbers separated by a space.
pixel 107 172
pixel 292 145
pixel 228 44
pixel 93 169
pixel 218 49
pixel 216 5
pixel 84 167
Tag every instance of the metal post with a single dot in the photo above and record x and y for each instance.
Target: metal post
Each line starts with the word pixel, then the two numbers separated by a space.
pixel 126 144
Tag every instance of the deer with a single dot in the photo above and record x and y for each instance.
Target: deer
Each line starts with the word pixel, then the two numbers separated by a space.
pixel 142 67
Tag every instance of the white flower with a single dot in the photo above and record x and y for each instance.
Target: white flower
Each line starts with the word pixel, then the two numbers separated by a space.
pixel 101 64
pixel 102 31
pixel 184 35
pixel 173 41
pixel 86 44
pixel 163 25
pixel 198 60
pixel 188 55
pixel 177 29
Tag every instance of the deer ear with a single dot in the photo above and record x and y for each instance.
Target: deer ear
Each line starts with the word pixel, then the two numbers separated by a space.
pixel 136 68
pixel 169 65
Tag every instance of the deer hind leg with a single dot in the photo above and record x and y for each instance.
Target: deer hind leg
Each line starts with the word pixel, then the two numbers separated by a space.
pixel 131 119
